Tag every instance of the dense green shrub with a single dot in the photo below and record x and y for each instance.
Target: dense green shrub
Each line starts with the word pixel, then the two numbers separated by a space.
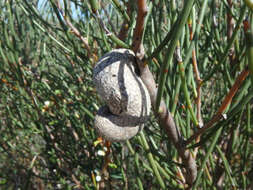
pixel 48 101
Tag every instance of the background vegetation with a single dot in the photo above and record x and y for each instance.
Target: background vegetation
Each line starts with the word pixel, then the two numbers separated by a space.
pixel 48 102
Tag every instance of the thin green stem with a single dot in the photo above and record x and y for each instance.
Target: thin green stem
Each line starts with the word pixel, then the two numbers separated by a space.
pixel 121 10
pixel 196 34
pixel 186 92
pixel 168 59
pixel 227 167
pixel 203 164
pixel 249 50
pixel 230 43
pixel 151 160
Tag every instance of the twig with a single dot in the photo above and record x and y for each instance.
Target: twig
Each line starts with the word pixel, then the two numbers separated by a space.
pixel 138 31
pixel 125 25
pixel 108 17
pixel 230 21
pixel 121 9
pixel 76 32
pixel 182 19
pixel 107 161
pixel 198 79
pixel 167 122
pixel 165 118
pixel 184 85
pixel 199 84
pixel 111 35
pixel 227 146
pixel 230 43
pixel 230 28
pixel 223 106
pixel 78 184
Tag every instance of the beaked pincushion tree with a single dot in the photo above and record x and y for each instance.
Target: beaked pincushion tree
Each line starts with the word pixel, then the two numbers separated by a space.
pixel 184 76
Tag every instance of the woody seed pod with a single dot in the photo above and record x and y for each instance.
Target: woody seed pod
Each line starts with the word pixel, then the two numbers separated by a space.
pixel 127 99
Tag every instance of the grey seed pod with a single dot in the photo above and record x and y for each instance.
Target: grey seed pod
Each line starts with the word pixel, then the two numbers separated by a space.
pixel 127 99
